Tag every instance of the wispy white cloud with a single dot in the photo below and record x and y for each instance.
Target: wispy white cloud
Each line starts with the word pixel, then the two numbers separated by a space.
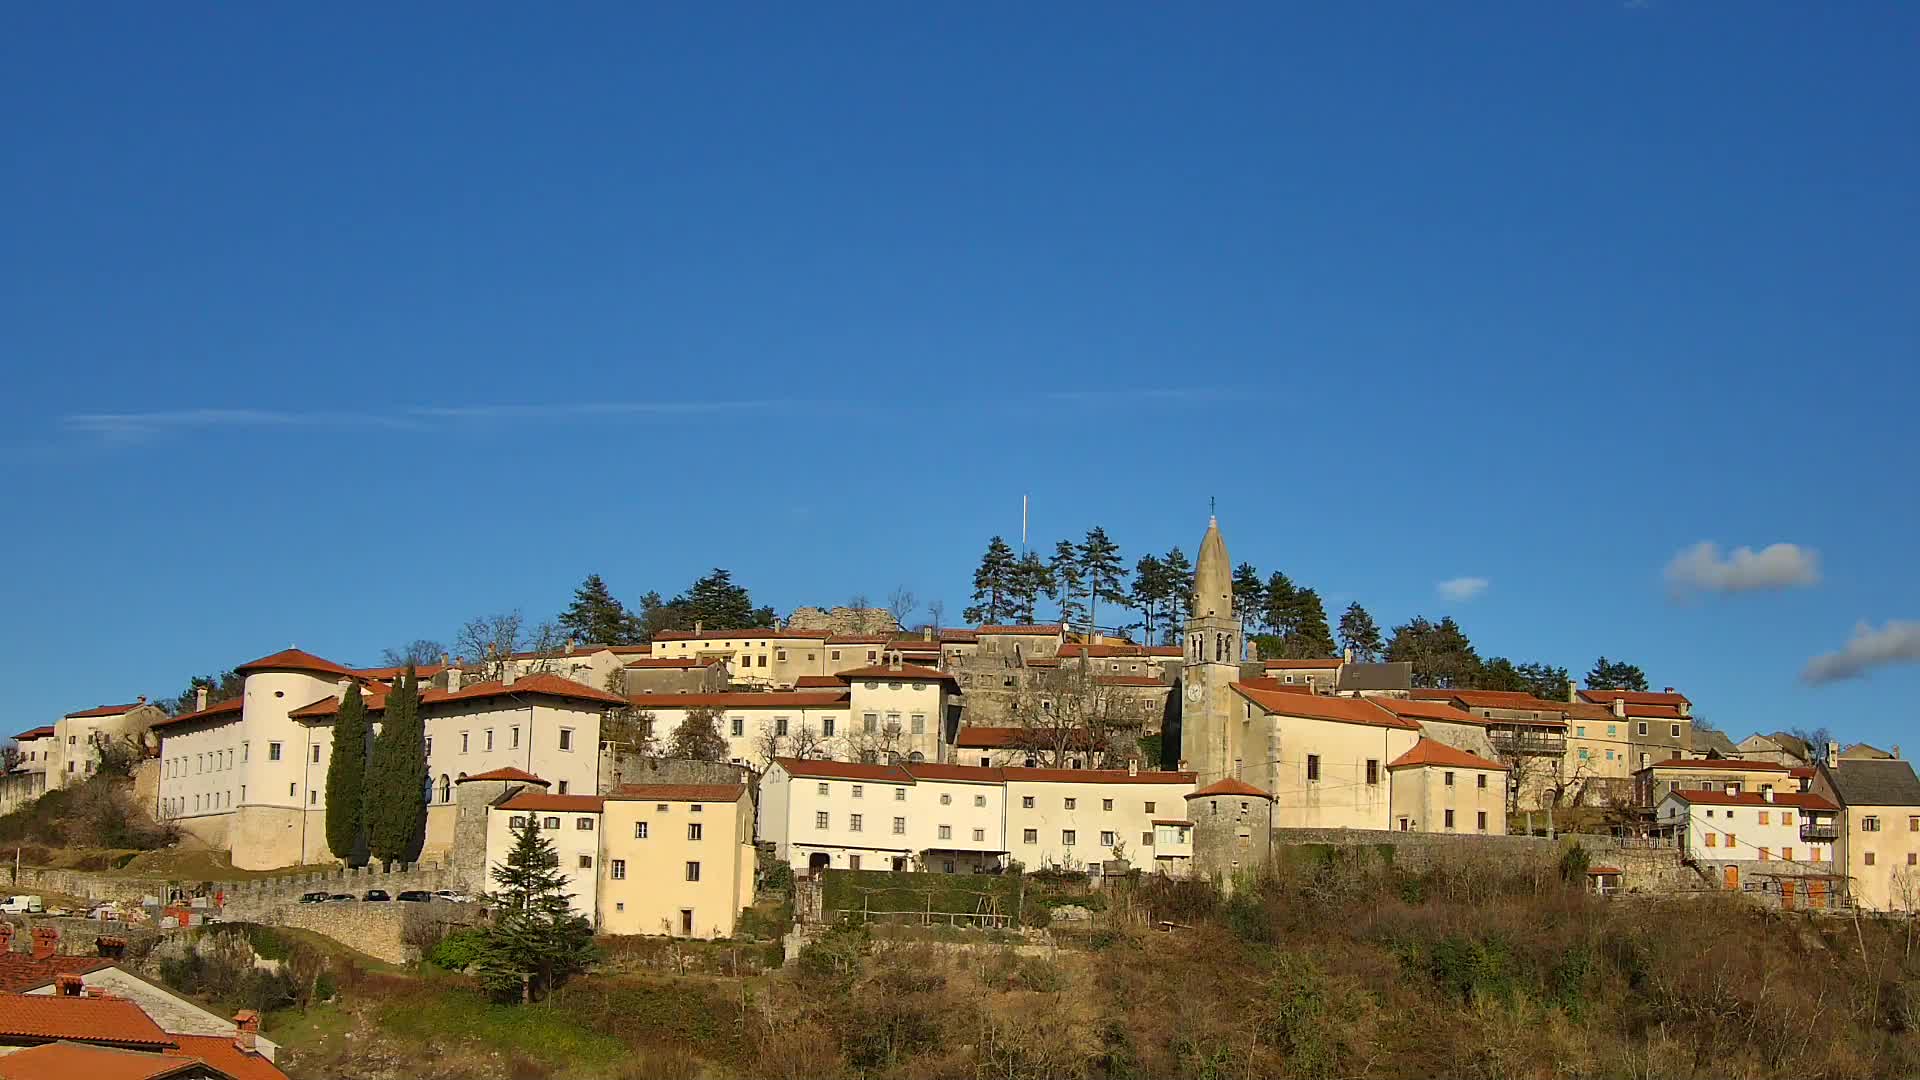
pixel 1143 395
pixel 1462 588
pixel 1701 568
pixel 1898 642
pixel 130 427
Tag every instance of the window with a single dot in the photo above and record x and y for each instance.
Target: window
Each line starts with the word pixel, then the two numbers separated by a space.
pixel 273 751
pixel 1676 731
pixel 946 866
pixel 1643 727
pixel 899 794
pixel 693 828
pixel 1449 820
pixel 1580 731
pixel 1913 859
pixel 979 836
pixel 550 823
pixel 1870 823
pixel 429 746
pixel 1107 839
pixel 465 738
pixel 1482 823
pixel 836 654
pixel 489 739
pixel 1313 768
pixel 870 723
pixel 859 791
pixel 1786 854
pixel 289 790
pixel 618 870
pixel 1482 778
pixel 514 738
pixel 1764 816
pixel 563 787
pixel 566 738
pixel 586 862
pixel 779 725
pixel 820 820
pixel 1373 770
pixel 1613 730
pixel 1071 802
pixel 737 725
pixel 946 832
pixel 693 874
pixel 826 726
pixel 243 752
pixel 1913 823
pixel 1030 836
pixel 315 748
pixel 1730 839
pixel 583 824
pixel 820 789
pixel 1107 805
pixel 1026 802
pixel 1869 858
pixel 919 723
pixel 1765 855
pixel 853 823
pixel 639 830
pixel 1712 840
pixel 899 826
pixel 1149 807
pixel 946 798
pixel 1066 837
pixel 313 797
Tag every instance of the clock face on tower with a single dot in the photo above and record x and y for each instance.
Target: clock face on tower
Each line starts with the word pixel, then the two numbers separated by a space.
pixel 1193 691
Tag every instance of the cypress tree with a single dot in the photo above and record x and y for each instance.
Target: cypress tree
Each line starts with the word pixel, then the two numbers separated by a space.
pixel 347 781
pixel 397 778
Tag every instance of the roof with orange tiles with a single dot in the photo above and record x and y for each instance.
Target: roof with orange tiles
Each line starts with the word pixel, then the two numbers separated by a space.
pixel 1094 776
pixel 20 972
pixel 816 769
pixel 1654 712
pixel 1696 764
pixel 959 637
pixel 73 1060
pixel 818 682
pixel 1803 772
pixel 966 774
pixel 219 710
pixel 219 1052
pixel 48 1017
pixel 509 773
pixel 647 662
pixel 1129 680
pixel 545 685
pixel 1492 699
pixel 898 674
pixel 743 699
pixel 293 660
pixel 571 804
pixel 1432 752
pixel 1636 697
pixel 1265 682
pixel 1427 710
pixel 424 671
pixel 1315 707
pixel 713 793
pixel 858 639
pixel 1047 628
pixel 35 733
pixel 1111 650
pixel 1799 800
pixel 747 634
pixel 1302 665
pixel 1229 786
pixel 105 710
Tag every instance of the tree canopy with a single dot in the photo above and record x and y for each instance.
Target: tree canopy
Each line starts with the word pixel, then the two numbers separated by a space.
pixel 698 737
pixel 993 585
pixel 1440 653
pixel 536 940
pixel 1615 675
pixel 1360 633
pixel 397 777
pixel 347 780
pixel 596 617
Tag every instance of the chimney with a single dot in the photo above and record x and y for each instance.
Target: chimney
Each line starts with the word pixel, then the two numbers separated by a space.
pixel 112 948
pixel 1833 755
pixel 46 942
pixel 509 673
pixel 698 626
pixel 142 699
pixel 453 679
pixel 1668 690
pixel 1133 766
pixel 1346 655
pixel 1766 792
pixel 1620 707
pixel 569 646
pixel 445 660
pixel 1573 691
pixel 6 936
pixel 926 633
pixel 199 699
pixel 1896 751
pixel 246 1027
pixel 67 984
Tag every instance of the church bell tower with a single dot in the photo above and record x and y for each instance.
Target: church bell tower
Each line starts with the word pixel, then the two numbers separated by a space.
pixel 1209 734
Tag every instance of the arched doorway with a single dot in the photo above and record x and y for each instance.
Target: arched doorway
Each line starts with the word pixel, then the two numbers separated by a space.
pixel 818 861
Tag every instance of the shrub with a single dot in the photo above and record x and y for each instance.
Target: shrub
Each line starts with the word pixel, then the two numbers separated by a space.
pixel 1574 863
pixel 457 951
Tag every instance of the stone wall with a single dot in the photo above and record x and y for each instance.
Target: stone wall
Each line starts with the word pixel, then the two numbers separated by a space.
pixel 1419 851
pixel 618 768
pixel 18 789
pixel 379 930
pixel 254 901
pixel 844 620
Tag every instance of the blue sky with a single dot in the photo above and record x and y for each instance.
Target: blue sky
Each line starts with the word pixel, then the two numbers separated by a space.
pixel 337 326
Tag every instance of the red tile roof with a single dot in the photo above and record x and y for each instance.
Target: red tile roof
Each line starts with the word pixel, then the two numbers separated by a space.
pixel 812 768
pixel 1427 710
pixel 1129 680
pixel 424 671
pixel 713 793
pixel 818 682
pixel 1492 699
pixel 749 633
pixel 1799 800
pixel 20 972
pixel 1048 628
pixel 858 639
pixel 1229 786
pixel 75 1061
pixel 572 804
pixel 1301 665
pixel 971 774
pixel 219 1052
pixel 959 637
pixel 48 1017
pixel 1172 821
pixel 898 674
pixel 648 662
pixel 293 660
pixel 1263 682
pixel 1094 776
pixel 219 710
pixel 1073 649
pixel 1314 707
pixel 544 684
pixel 1431 752
pixel 509 773
pixel 1635 697
pixel 1692 764
pixel 1802 772
pixel 742 699
pixel 1653 712
pixel 35 733
pixel 105 710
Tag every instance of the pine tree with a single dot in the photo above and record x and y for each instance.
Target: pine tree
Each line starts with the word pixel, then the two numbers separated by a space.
pixel 717 603
pixel 1068 583
pixel 1250 598
pixel 698 737
pixel 1180 577
pixel 1360 633
pixel 397 777
pixel 1031 578
pixel 347 781
pixel 1105 574
pixel 1152 589
pixel 1279 611
pixel 1616 675
pixel 1440 653
pixel 1311 639
pixel 597 617
pixel 536 939
pixel 993 586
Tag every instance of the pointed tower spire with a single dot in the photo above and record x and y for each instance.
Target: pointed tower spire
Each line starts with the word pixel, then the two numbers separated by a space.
pixel 1213 575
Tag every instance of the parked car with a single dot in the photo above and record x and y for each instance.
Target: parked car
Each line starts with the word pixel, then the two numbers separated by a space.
pixel 452 897
pixel 376 895
pixel 340 898
pixel 23 905
pixel 313 898
pixel 416 896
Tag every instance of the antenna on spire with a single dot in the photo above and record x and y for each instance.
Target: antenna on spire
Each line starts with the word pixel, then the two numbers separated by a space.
pixel 1210 512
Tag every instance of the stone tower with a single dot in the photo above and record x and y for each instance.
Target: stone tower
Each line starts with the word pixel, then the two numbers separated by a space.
pixel 1209 733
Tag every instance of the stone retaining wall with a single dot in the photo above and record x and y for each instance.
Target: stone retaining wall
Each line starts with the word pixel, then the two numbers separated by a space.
pixel 379 930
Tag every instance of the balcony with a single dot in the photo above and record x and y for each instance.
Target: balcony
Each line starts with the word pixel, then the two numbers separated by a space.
pixel 1822 832
pixel 1507 741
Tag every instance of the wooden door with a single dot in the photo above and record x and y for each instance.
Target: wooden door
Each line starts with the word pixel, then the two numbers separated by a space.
pixel 1787 891
pixel 1816 893
pixel 1733 877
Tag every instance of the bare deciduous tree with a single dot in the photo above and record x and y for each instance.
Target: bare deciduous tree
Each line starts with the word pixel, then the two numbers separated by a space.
pixel 936 611
pixel 630 730
pixel 874 738
pixel 489 641
pixel 901 604
pixel 1064 712
pixel 419 652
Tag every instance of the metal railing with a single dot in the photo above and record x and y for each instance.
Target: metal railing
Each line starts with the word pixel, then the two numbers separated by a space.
pixel 1529 742
pixel 1819 832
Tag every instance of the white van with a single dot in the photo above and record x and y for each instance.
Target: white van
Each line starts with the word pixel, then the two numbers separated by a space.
pixel 22 905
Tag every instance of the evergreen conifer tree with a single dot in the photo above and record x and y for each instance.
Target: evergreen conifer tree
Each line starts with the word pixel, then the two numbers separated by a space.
pixel 1180 575
pixel 1360 633
pixel 1068 583
pixel 1311 638
pixel 347 781
pixel 1250 598
pixel 397 777
pixel 1031 578
pixel 536 939
pixel 993 585
pixel 1104 574
pixel 596 617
